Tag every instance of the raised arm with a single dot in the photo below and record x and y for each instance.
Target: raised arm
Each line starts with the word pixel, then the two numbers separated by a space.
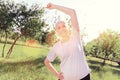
pixel 68 11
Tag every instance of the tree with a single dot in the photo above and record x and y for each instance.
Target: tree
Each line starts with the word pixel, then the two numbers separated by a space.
pixel 27 21
pixel 6 19
pixel 109 41
pixel 106 46
pixel 51 39
pixel 21 20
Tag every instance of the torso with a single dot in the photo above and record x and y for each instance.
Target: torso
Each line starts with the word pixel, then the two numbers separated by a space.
pixel 73 63
pixel 72 59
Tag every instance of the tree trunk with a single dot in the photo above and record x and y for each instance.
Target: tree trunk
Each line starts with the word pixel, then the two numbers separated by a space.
pixel 118 63
pixel 11 48
pixel 105 58
pixel 104 61
pixel 6 36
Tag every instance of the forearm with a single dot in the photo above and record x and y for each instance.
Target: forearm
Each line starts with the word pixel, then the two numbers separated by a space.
pixel 66 10
pixel 51 68
pixel 71 13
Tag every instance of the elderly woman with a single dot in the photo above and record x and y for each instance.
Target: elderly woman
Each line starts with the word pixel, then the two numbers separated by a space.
pixel 69 49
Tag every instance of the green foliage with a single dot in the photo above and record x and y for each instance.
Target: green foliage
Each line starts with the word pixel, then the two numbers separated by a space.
pixel 6 17
pixel 51 38
pixel 28 20
pixel 18 20
pixel 106 46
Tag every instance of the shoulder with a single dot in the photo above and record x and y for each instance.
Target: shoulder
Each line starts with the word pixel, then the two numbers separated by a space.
pixel 75 34
pixel 56 44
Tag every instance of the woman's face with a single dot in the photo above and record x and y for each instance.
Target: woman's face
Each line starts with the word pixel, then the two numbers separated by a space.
pixel 61 29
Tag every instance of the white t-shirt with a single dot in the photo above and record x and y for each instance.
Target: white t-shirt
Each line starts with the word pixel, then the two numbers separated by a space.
pixel 73 62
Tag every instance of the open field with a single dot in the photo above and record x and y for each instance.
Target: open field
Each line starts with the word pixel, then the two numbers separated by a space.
pixel 26 63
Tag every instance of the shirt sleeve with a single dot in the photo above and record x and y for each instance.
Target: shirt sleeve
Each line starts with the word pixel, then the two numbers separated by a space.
pixel 52 54
pixel 75 34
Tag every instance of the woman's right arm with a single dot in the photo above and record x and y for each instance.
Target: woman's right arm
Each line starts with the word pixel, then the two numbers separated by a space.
pixel 68 11
pixel 52 69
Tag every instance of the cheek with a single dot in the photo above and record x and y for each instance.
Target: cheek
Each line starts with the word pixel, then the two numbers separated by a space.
pixel 65 29
pixel 58 32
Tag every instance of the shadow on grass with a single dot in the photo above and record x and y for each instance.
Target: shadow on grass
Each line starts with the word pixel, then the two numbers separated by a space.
pixel 94 62
pixel 101 63
pixel 36 65
pixel 95 65
pixel 39 62
pixel 95 68
pixel 98 67
pixel 115 71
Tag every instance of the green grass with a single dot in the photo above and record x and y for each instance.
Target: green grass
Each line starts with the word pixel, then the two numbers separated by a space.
pixel 110 71
pixel 26 63
pixel 21 52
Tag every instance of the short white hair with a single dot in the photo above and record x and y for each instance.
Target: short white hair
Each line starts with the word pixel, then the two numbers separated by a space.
pixel 58 22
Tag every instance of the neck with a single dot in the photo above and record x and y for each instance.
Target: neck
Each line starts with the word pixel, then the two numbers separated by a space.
pixel 65 38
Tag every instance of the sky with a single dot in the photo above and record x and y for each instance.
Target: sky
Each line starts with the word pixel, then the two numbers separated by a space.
pixel 95 16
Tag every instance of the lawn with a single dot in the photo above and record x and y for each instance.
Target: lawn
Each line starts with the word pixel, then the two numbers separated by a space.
pixel 26 63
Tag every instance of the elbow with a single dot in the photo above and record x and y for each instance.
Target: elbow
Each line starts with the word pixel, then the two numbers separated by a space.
pixel 46 61
pixel 72 12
